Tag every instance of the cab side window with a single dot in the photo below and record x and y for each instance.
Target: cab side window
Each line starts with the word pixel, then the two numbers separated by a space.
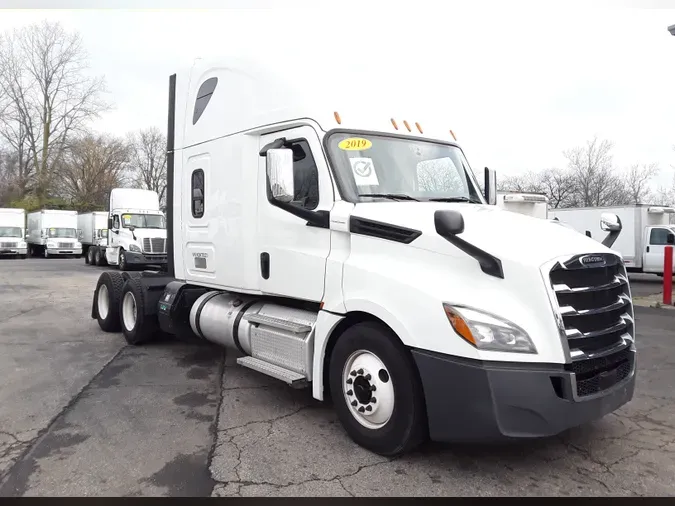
pixel 305 175
pixel 116 222
pixel 658 236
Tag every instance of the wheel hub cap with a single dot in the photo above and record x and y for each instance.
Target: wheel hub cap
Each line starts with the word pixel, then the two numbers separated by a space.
pixel 368 389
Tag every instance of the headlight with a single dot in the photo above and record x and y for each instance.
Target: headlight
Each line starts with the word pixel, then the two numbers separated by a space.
pixel 78 245
pixel 23 244
pixel 133 247
pixel 51 245
pixel 488 332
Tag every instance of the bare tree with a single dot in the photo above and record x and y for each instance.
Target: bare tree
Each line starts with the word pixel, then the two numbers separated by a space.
pixel 148 160
pixel 595 180
pixel 90 168
pixel 47 96
pixel 636 181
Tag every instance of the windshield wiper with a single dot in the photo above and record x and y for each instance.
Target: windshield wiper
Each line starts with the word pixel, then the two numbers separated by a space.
pixel 394 196
pixel 456 199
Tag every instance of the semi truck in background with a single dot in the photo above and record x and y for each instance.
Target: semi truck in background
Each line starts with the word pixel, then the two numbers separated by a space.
pixel 646 229
pixel 93 230
pixel 353 253
pixel 12 232
pixel 527 203
pixel 136 229
pixel 53 232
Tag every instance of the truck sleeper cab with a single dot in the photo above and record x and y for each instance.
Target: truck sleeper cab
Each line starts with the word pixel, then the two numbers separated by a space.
pixel 356 255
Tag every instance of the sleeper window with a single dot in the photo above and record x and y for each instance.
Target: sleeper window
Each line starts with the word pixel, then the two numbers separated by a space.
pixel 198 193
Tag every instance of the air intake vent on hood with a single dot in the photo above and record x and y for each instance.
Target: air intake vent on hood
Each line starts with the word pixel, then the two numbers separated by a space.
pixel 381 230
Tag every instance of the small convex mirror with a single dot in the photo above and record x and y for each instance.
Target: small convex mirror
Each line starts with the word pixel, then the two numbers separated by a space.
pixel 610 222
pixel 280 174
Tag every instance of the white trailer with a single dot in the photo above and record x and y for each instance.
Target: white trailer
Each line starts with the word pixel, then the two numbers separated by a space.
pixel 93 230
pixel 646 229
pixel 53 232
pixel 137 229
pixel 352 253
pixel 12 232
pixel 527 203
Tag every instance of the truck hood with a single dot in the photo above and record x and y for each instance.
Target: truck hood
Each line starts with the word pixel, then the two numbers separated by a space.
pixel 504 234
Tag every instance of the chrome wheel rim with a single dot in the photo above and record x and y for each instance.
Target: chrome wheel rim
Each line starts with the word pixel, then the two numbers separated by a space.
pixel 129 311
pixel 103 301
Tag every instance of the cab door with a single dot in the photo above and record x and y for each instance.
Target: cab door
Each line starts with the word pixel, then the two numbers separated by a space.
pixel 653 253
pixel 292 255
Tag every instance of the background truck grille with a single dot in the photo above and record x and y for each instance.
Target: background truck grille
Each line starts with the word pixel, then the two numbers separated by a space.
pixel 594 300
pixel 154 245
pixel 8 244
pixel 65 245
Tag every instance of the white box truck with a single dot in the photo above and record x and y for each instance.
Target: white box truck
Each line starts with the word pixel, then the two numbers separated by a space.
pixel 646 229
pixel 53 232
pixel 93 230
pixel 313 243
pixel 136 229
pixel 12 232
pixel 527 203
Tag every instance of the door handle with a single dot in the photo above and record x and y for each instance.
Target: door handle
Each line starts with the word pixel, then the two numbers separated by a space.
pixel 265 265
pixel 647 249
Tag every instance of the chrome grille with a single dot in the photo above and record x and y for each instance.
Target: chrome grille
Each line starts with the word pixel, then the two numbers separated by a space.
pixel 154 245
pixel 8 244
pixel 65 245
pixel 595 305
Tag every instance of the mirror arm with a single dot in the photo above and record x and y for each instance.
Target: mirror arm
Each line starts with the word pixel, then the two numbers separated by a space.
pixel 611 237
pixel 275 144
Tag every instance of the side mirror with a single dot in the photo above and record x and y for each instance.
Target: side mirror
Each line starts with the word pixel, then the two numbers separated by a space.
pixel 448 223
pixel 280 174
pixel 610 222
pixel 491 186
pixel 131 228
pixel 110 223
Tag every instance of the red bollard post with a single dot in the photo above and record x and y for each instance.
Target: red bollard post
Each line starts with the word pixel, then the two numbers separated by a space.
pixel 668 275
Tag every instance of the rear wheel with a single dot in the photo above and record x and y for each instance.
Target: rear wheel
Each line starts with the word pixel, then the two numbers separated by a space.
pixel 107 300
pixel 138 328
pixel 90 257
pixel 376 390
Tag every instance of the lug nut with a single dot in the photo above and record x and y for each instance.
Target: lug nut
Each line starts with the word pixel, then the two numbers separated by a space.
pixel 349 392
pixel 361 409
pixel 373 400
pixel 353 373
pixel 360 371
pixel 369 408
pixel 367 377
pixel 349 381
pixel 373 388
pixel 354 403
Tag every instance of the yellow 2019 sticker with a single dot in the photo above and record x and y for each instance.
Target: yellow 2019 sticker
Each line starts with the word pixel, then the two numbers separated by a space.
pixel 355 144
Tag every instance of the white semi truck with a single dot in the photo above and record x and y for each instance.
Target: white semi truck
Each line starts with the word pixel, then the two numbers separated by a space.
pixel 646 231
pixel 136 229
pixel 12 232
pixel 53 232
pixel 353 253
pixel 93 230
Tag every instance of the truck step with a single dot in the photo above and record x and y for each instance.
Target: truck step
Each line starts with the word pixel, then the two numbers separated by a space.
pixel 278 323
pixel 292 378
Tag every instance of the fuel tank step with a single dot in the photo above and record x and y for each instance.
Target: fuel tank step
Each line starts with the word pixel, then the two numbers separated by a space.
pixel 292 378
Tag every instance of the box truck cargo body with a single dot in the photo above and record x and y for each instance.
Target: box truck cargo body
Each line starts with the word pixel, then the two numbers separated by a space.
pixel 527 203
pixel 352 252
pixel 12 231
pixel 645 232
pixel 53 232
pixel 93 230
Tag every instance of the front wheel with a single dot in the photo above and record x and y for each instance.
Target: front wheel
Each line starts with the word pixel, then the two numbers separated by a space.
pixel 122 260
pixel 377 391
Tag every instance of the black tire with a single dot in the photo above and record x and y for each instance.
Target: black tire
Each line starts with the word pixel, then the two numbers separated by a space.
pixel 99 257
pixel 122 260
pixel 113 282
pixel 89 256
pixel 23 257
pixel 145 328
pixel 407 427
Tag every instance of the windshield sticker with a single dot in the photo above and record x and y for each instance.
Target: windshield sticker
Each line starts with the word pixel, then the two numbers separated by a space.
pixel 126 219
pixel 364 171
pixel 355 144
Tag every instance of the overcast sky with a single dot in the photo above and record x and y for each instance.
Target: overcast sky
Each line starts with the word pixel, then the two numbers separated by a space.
pixel 518 81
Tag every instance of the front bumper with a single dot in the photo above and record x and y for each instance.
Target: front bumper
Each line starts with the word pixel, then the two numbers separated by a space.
pixel 64 251
pixel 476 401
pixel 134 258
pixel 13 251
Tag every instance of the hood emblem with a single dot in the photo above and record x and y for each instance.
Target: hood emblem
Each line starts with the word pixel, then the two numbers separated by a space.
pixel 592 261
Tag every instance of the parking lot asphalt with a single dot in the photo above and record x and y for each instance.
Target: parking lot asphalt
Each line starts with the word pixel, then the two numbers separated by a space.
pixel 82 413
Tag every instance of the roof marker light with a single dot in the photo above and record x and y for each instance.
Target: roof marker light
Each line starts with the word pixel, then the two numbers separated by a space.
pixel 419 127
pixel 453 134
pixel 394 123
pixel 337 118
pixel 406 125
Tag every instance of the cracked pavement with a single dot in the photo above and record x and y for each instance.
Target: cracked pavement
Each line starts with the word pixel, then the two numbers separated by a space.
pixel 83 414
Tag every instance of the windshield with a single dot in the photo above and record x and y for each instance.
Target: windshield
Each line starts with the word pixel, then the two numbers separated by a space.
pixel 61 232
pixel 398 168
pixel 10 232
pixel 143 221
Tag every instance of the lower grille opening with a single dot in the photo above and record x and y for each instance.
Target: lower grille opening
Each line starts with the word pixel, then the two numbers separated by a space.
pixel 598 374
